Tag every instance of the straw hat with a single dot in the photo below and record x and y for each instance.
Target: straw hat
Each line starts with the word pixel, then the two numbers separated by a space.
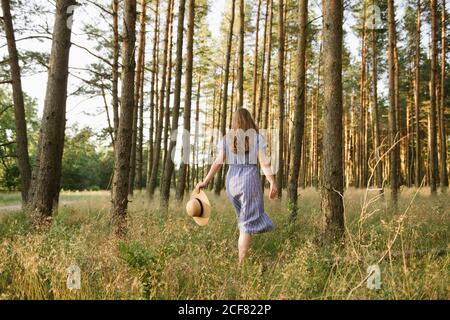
pixel 199 208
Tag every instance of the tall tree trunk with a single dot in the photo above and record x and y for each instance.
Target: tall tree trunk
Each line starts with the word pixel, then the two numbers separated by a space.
pixel 265 124
pixel 332 181
pixel 115 66
pixel 159 127
pixel 197 133
pixel 124 137
pixel 187 102
pixel 140 141
pixel 376 119
pixel 362 154
pixel 393 138
pixel 153 98
pixel 433 141
pixel 418 155
pixel 44 192
pixel 19 106
pixel 240 73
pixel 223 115
pixel 169 88
pixel 300 102
pixel 169 166
pixel 255 61
pixel 269 68
pixel 397 113
pixel 137 93
pixel 281 92
pixel 442 129
pixel 315 163
pixel 261 80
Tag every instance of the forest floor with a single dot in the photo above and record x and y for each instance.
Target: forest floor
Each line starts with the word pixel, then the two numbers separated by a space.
pixel 167 256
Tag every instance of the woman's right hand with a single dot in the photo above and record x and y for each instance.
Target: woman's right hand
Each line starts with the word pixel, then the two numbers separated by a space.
pixel 200 186
pixel 273 191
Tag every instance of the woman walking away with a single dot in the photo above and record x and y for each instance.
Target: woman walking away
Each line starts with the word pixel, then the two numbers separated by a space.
pixel 242 148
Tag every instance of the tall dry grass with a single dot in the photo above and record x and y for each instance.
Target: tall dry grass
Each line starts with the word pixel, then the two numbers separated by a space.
pixel 167 256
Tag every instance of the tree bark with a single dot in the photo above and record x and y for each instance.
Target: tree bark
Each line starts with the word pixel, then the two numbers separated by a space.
pixel 240 73
pixel 261 80
pixel 187 102
pixel 362 119
pixel 281 92
pixel 332 181
pixel 124 135
pixel 169 166
pixel 152 99
pixel 159 127
pixel 44 192
pixel 169 88
pixel 218 181
pixel 433 141
pixel 393 138
pixel 115 67
pixel 19 106
pixel 418 155
pixel 376 118
pixel 139 76
pixel 300 102
pixel 255 61
pixel 442 129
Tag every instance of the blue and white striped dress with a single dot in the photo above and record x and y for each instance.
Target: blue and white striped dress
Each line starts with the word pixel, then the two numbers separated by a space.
pixel 243 186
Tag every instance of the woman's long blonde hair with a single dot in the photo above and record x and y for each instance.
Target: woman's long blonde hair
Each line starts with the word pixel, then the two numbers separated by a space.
pixel 242 120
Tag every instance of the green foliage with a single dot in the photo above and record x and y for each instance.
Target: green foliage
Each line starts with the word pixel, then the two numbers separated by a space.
pixel 9 170
pixel 85 166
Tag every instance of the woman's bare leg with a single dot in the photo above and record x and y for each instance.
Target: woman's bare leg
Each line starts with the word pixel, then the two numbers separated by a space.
pixel 244 246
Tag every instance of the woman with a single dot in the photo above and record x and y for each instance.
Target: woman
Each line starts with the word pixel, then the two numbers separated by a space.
pixel 242 148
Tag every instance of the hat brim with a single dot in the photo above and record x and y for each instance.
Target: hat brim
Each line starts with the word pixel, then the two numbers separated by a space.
pixel 204 219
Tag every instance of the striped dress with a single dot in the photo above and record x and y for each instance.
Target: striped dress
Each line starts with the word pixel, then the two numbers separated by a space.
pixel 243 186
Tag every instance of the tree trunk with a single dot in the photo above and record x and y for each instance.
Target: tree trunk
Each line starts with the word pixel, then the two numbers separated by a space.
pixel 152 98
pixel 255 61
pixel 261 80
pixel 418 156
pixel 19 106
pixel 159 127
pixel 442 129
pixel 362 154
pixel 169 87
pixel 300 101
pixel 44 192
pixel 124 136
pixel 197 132
pixel 269 68
pixel 218 181
pixel 138 84
pixel 115 67
pixel 376 119
pixel 332 180
pixel 169 166
pixel 393 138
pixel 265 123
pixel 240 75
pixel 281 91
pixel 187 103
pixel 140 141
pixel 433 77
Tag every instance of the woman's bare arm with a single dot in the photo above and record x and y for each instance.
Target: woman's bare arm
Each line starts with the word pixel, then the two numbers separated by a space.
pixel 215 167
pixel 264 161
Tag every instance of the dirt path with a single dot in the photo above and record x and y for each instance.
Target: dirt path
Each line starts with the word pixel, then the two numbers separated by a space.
pixel 18 207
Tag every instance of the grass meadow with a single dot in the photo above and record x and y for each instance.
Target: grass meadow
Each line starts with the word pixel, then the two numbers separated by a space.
pixel 167 256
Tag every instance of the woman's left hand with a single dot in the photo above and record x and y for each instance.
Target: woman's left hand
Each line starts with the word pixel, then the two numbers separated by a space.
pixel 200 186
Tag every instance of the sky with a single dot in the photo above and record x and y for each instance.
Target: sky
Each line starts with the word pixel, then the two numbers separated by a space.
pixel 90 112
